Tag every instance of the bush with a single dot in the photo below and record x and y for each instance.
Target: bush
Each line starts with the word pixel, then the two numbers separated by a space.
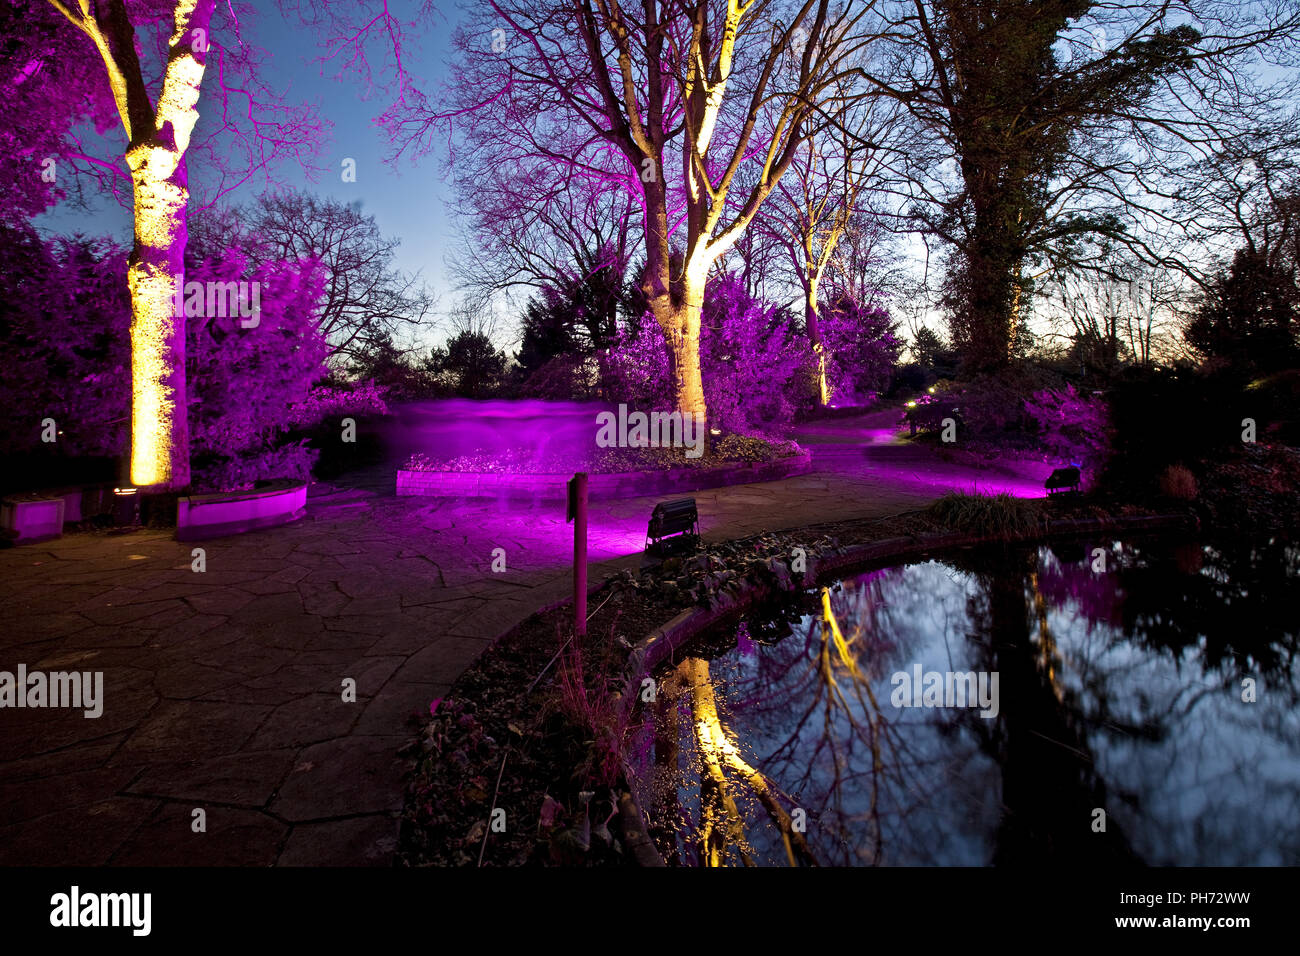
pixel 1274 403
pixel 751 360
pixel 1163 417
pixel 1073 428
pixel 64 332
pixel 65 329
pixel 241 472
pixel 993 407
pixel 248 385
pixel 861 345
pixel 931 415
pixel 1177 482
pixel 1000 517
pixel 718 450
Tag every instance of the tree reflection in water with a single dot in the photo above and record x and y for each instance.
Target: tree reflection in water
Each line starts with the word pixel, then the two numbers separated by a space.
pixel 1120 690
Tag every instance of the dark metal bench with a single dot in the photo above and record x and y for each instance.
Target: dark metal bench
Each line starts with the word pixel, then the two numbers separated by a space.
pixel 1063 480
pixel 674 525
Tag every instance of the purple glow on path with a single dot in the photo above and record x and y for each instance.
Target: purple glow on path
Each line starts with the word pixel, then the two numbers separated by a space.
pixel 450 428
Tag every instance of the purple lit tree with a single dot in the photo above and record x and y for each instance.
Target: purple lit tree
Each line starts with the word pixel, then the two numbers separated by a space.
pixel 165 45
pixel 826 196
pixel 674 102
pixel 751 359
pixel 861 345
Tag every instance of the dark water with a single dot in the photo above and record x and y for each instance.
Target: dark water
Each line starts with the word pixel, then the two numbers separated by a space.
pixel 1120 683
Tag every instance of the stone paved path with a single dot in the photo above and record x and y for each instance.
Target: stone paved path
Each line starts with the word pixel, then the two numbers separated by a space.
pixel 223 689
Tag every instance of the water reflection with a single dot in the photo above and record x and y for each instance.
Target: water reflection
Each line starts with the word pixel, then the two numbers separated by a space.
pixel 1121 674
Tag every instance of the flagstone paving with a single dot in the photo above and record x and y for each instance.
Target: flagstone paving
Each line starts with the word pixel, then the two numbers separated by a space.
pixel 224 689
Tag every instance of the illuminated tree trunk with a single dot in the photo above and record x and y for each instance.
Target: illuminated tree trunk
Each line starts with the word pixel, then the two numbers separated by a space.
pixel 681 325
pixel 157 137
pixel 674 290
pixel 159 422
pixel 812 319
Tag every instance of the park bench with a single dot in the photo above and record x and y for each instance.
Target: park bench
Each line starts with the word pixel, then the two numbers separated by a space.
pixel 674 525
pixel 1063 480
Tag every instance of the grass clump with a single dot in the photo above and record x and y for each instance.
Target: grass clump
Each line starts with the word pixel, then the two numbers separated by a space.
pixel 1000 517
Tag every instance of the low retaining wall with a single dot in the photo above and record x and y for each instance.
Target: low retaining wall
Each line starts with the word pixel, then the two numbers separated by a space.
pixel 629 484
pixel 216 515
pixel 33 518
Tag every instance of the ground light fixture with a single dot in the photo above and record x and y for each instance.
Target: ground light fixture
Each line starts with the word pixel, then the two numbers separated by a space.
pixel 674 526
pixel 126 506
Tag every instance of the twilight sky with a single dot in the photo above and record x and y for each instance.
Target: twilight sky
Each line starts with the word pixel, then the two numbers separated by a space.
pixel 409 202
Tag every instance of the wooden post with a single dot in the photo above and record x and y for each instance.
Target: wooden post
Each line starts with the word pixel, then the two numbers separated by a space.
pixel 577 513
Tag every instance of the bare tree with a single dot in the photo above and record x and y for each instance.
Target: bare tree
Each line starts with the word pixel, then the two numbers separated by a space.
pixel 179 39
pixel 1128 313
pixel 1055 122
pixel 823 198
pixel 367 301
pixel 527 225
pixel 675 100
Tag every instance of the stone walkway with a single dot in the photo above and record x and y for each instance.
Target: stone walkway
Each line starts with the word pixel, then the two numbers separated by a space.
pixel 223 690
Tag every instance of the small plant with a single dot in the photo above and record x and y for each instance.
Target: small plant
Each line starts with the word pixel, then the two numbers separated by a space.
pixel 1000 516
pixel 1177 482
pixel 585 698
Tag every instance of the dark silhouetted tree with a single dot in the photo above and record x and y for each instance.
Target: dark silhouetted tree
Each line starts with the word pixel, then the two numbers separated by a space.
pixel 1248 315
pixel 473 364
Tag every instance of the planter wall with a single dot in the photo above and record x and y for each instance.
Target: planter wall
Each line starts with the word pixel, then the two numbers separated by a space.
pixel 32 519
pixel 218 515
pixel 632 484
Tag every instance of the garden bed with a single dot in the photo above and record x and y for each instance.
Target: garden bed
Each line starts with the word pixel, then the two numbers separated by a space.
pixel 734 460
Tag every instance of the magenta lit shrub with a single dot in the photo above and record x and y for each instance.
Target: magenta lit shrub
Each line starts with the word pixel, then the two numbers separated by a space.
pixel 862 347
pixel 750 357
pixel 255 390
pixel 252 392
pixel 333 400
pixel 635 368
pixel 1072 427
pixel 64 321
pixel 246 384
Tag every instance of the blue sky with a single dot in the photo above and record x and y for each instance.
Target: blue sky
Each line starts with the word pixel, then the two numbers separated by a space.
pixel 408 201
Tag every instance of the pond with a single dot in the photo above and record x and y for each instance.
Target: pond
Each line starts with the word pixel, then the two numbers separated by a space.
pixel 1090 703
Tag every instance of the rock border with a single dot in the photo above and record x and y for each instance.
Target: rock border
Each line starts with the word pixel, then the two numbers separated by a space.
pixel 623 484
pixel 648 654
